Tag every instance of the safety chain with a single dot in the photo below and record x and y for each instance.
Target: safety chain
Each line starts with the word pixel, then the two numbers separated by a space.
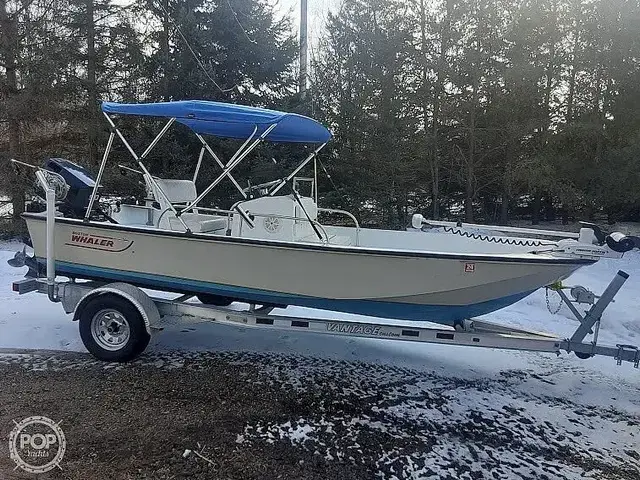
pixel 555 287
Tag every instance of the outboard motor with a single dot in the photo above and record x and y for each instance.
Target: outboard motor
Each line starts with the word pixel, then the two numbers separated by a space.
pixel 80 182
pixel 621 243
pixel 616 241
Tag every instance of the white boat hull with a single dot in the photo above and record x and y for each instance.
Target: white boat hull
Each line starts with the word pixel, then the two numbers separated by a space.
pixel 412 285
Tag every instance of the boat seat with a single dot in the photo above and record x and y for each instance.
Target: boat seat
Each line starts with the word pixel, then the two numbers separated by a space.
pixel 213 224
pixel 183 192
pixel 178 191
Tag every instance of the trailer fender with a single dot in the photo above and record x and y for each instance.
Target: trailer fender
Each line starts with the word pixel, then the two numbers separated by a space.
pixel 140 300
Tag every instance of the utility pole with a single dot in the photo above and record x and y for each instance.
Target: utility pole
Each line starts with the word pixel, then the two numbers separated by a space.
pixel 303 49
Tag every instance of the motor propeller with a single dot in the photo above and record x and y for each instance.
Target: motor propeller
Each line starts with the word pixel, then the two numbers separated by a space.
pixel 20 259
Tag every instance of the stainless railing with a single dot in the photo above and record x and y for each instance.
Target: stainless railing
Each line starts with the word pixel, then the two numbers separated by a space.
pixel 229 214
pixel 348 214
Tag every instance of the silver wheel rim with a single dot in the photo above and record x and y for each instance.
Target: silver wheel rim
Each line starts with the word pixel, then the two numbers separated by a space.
pixel 110 330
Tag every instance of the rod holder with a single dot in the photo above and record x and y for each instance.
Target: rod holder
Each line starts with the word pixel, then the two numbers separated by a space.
pixel 50 196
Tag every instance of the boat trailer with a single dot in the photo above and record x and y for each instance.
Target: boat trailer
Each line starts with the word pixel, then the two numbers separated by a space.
pixel 79 297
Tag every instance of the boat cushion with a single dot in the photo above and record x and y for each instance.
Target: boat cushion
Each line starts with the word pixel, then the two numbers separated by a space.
pixel 213 224
pixel 178 191
pixel 199 223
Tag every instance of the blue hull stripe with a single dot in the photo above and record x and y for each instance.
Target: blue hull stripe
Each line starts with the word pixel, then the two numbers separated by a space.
pixel 445 314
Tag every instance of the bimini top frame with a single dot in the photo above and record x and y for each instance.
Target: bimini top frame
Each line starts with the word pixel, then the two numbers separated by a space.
pixel 255 125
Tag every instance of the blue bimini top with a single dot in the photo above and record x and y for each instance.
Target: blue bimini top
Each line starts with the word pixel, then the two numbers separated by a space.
pixel 228 120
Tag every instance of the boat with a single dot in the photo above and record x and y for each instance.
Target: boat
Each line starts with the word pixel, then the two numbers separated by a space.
pixel 271 247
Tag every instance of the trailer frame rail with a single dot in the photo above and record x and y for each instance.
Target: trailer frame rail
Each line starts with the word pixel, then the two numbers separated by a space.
pixel 474 332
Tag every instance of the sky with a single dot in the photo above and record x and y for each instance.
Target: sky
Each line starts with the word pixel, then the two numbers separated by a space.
pixel 317 11
pixel 317 14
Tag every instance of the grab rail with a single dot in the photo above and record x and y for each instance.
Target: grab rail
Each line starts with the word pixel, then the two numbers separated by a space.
pixel 348 214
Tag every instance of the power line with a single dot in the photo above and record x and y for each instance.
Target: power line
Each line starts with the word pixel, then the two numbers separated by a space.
pixel 195 56
pixel 235 15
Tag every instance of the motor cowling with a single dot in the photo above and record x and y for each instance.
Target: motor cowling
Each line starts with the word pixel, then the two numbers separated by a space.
pixel 616 241
pixel 80 182
pixel 621 243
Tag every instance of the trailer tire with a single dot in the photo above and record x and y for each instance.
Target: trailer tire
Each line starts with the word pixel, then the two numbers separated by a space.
pixel 112 328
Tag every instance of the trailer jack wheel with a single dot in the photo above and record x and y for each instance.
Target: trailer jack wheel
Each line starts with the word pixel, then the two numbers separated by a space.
pixel 112 328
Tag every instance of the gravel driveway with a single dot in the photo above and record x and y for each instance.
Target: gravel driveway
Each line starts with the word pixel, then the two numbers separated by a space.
pixel 255 415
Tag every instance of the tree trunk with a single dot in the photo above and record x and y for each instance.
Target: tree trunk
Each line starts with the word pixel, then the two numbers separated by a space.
pixel 549 209
pixel 504 207
pixel 425 107
pixel 506 185
pixel 547 90
pixel 535 208
pixel 166 161
pixel 550 72
pixel 9 55
pixel 92 90
pixel 437 98
pixel 470 170
pixel 165 50
pixel 599 107
pixel 572 78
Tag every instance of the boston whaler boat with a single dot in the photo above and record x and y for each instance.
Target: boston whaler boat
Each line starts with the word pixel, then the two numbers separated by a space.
pixel 270 248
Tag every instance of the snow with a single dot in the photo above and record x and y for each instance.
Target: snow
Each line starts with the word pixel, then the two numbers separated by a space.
pixel 411 410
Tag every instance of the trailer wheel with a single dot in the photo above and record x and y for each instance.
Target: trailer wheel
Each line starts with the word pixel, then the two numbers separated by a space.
pixel 112 328
pixel 217 300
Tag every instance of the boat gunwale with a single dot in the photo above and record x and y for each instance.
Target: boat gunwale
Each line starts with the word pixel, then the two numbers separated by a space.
pixel 514 258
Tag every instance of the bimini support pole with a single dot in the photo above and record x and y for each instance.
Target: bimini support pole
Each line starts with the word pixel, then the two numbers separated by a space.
pixel 152 144
pixel 195 174
pixel 230 166
pixel 241 149
pixel 295 172
pixel 50 196
pixel 139 159
pixel 206 146
pixel 315 179
pixel 94 193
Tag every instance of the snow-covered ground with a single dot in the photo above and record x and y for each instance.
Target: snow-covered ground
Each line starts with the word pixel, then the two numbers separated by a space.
pixel 434 411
